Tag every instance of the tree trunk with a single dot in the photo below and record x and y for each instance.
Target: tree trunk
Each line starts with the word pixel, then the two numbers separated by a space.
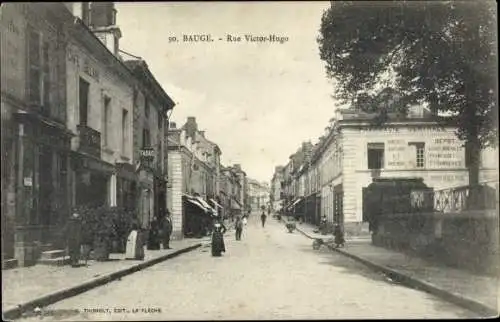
pixel 472 155
pixel 473 152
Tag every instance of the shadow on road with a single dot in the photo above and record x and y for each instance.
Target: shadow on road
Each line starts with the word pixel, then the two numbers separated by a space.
pixel 352 267
pixel 348 265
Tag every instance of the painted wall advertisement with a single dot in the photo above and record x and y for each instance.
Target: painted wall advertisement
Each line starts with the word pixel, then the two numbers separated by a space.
pixel 439 153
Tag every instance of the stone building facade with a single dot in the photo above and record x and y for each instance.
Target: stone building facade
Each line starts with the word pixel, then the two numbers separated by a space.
pixel 67 121
pixel 194 167
pixel 35 139
pixel 152 107
pixel 100 113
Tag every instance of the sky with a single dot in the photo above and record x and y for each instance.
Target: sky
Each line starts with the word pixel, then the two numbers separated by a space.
pixel 257 101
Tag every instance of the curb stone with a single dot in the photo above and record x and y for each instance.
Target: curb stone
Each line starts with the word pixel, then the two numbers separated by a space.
pixel 16 312
pixel 415 283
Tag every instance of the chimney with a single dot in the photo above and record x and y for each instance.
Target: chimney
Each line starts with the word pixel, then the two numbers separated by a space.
pixel 102 22
pixel 191 126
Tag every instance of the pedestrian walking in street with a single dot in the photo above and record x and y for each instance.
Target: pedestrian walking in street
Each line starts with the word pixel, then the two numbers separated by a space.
pixel 73 238
pixel 166 230
pixel 218 246
pixel 238 227
pixel 322 225
pixel 338 236
pixel 263 218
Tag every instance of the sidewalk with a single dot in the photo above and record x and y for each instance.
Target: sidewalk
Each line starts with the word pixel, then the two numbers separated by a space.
pixel 39 285
pixel 477 293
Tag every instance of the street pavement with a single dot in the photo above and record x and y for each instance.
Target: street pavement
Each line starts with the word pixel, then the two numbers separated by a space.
pixel 269 274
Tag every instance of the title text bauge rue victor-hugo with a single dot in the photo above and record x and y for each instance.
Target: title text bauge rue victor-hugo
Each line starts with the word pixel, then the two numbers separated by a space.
pixel 194 38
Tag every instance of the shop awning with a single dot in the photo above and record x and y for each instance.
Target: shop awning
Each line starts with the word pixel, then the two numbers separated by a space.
pixel 235 205
pixel 295 202
pixel 199 202
pixel 215 203
pixel 196 203
pixel 205 204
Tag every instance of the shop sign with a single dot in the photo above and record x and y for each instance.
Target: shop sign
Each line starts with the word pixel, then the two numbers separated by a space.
pixel 82 63
pixel 28 181
pixel 147 154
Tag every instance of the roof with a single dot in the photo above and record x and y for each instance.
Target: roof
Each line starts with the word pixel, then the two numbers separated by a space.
pixel 141 70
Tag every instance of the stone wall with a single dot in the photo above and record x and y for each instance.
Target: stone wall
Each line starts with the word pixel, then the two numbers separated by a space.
pixel 468 240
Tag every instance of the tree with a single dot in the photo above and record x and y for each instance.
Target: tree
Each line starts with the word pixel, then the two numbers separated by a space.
pixel 440 53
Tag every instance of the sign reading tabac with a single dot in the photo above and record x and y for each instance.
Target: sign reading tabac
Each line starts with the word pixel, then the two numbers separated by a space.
pixel 147 154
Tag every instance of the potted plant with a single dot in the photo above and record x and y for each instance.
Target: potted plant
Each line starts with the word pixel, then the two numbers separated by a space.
pixel 104 234
pixel 122 224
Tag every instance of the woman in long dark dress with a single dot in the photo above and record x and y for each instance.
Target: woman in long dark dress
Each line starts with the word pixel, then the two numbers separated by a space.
pixel 218 239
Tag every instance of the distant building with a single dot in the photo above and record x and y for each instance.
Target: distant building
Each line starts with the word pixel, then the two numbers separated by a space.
pixel 231 192
pixel 257 194
pixel 275 194
pixel 194 163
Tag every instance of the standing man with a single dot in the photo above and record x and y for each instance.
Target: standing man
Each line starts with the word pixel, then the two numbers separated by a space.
pixel 238 227
pixel 73 238
pixel 167 230
pixel 263 218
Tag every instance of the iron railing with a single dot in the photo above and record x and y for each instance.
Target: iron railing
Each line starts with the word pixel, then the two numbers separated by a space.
pixel 451 200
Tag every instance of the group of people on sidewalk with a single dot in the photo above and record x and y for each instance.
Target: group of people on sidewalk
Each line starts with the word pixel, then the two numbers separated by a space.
pixel 160 232
pixel 79 245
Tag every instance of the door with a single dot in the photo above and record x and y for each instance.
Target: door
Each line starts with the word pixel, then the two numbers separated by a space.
pixel 338 206
pixel 46 188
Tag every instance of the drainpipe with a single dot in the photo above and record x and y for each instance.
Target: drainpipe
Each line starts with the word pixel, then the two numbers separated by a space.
pixel 165 171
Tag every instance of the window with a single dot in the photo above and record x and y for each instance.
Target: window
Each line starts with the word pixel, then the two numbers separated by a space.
pixel 146 108
pixel 107 119
pixel 45 79
pixel 39 70
pixel 146 138
pixel 419 153
pixel 83 101
pixel 375 155
pixel 124 130
pixel 34 65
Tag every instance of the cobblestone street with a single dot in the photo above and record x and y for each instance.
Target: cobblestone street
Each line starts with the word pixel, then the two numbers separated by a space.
pixel 270 274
